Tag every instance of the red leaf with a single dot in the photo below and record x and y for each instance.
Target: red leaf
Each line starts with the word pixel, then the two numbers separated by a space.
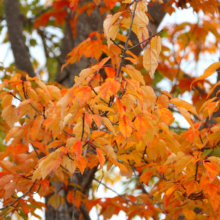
pixel 77 149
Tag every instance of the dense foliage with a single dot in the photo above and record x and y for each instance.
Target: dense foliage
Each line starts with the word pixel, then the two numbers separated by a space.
pixel 114 116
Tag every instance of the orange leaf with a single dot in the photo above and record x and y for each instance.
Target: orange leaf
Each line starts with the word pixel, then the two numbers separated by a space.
pixel 120 107
pixel 77 149
pixel 7 100
pixel 110 85
pixel 83 94
pixel 184 104
pixel 98 120
pixel 110 72
pixel 101 157
pixel 25 207
pixel 39 145
pixel 125 126
pixel 145 177
pixel 141 124
pixel 187 116
pixel 189 214
pixel 212 169
pixel 81 164
pixel 88 119
pixel 10 114
pixel 208 72
pixel 73 4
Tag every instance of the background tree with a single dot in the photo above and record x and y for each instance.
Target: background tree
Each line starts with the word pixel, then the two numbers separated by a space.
pixel 76 25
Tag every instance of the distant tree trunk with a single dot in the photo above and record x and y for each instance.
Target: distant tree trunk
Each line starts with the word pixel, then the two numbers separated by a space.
pixel 16 38
pixel 84 27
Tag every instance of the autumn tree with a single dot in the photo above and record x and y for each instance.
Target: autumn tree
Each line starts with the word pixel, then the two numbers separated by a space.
pixel 113 115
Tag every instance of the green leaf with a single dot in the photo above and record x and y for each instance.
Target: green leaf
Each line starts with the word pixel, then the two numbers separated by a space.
pixel 157 77
pixel 33 42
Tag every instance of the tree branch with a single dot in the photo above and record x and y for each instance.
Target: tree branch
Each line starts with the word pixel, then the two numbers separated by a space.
pixel 18 198
pixel 128 38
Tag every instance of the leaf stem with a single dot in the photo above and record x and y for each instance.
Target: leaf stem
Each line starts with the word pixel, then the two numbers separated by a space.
pixel 148 39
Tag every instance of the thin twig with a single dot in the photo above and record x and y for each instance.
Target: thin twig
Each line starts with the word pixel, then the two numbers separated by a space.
pixel 11 204
pixel 83 126
pixel 69 133
pixel 148 39
pixel 151 197
pixel 116 44
pixel 97 94
pixel 25 95
pixel 123 197
pixel 128 38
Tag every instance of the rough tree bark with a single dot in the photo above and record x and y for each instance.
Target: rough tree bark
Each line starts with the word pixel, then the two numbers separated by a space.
pixel 85 26
pixel 16 38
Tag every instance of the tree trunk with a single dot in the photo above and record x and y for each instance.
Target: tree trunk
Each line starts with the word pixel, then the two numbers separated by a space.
pixel 16 38
pixel 85 26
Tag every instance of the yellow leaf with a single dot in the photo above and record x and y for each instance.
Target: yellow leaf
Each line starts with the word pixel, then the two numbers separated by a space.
pixel 142 34
pixel 134 74
pixel 84 74
pixel 56 200
pixel 156 44
pixel 68 164
pixel 184 104
pixel 103 108
pixel 110 152
pixel 171 143
pixel 141 18
pixel 182 163
pixel 54 92
pixel 24 103
pixel 7 100
pixel 108 124
pixel 150 60
pixel 111 27
pixel 187 116
pixel 10 114
pixel 208 72
pixel 66 119
pixel 63 103
pixel 43 86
